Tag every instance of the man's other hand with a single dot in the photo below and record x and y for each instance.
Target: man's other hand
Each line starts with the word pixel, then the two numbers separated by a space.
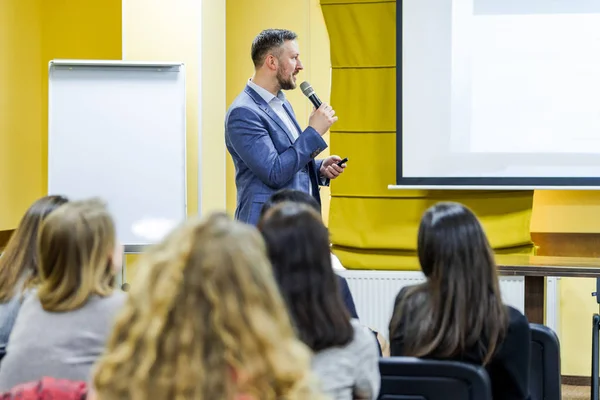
pixel 330 169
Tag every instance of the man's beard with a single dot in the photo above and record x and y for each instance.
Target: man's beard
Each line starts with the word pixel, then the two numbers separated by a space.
pixel 285 83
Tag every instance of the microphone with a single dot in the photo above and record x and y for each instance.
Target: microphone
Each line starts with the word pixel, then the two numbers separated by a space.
pixel 310 93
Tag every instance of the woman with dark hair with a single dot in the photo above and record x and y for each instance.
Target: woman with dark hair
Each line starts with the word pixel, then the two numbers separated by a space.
pixel 458 314
pixel 19 263
pixel 298 196
pixel 346 356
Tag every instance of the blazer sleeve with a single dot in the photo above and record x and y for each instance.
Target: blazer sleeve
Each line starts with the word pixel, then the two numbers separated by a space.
pixel 347 296
pixel 252 142
pixel 323 181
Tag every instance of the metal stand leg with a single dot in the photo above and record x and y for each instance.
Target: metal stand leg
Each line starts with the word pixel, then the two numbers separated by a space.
pixel 119 279
pixel 129 249
pixel 595 331
pixel 122 281
pixel 595 344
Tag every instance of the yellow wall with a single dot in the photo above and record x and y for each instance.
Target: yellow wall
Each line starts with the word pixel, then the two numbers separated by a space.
pixel 571 212
pixel 20 109
pixel 160 31
pixel 32 32
pixel 213 106
pixel 306 19
pixel 566 211
pixel 189 31
pixel 88 29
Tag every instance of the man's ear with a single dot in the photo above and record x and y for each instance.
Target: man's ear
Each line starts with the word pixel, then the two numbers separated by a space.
pixel 271 62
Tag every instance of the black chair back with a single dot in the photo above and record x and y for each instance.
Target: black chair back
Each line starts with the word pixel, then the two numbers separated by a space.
pixel 409 378
pixel 544 370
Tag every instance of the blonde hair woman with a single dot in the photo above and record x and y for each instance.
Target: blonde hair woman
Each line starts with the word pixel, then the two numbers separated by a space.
pixel 205 321
pixel 19 262
pixel 62 326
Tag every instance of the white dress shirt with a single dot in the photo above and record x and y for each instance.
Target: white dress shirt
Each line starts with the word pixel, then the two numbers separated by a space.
pixel 276 104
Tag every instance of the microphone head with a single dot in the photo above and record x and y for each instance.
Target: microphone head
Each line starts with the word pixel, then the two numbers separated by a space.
pixel 307 89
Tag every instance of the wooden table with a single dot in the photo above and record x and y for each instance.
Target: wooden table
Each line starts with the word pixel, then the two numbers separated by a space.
pixel 535 269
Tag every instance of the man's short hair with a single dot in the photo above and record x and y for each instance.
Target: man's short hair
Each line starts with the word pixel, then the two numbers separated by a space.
pixel 291 195
pixel 269 40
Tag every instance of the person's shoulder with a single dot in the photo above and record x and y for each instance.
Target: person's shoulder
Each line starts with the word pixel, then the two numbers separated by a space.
pixel 29 299
pixel 241 111
pixel 402 293
pixel 516 319
pixel 341 280
pixel 118 297
pixel 114 301
pixel 361 332
pixel 364 337
pixel 518 329
pixel 243 101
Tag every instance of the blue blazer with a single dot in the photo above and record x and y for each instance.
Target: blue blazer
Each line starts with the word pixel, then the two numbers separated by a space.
pixel 265 155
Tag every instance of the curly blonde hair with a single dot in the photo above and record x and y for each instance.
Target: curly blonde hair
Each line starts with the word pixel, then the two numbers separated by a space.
pixel 205 320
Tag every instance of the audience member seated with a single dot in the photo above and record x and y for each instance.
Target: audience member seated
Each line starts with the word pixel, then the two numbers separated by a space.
pixel 18 263
pixel 64 322
pixel 458 314
pixel 346 354
pixel 205 320
pixel 298 196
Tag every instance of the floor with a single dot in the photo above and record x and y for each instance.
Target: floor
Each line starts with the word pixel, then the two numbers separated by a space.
pixel 575 392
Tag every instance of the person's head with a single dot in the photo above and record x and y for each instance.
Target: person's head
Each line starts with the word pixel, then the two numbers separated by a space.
pixel 204 320
pixel 18 263
pixel 78 255
pixel 298 246
pixel 275 53
pixel 464 304
pixel 291 195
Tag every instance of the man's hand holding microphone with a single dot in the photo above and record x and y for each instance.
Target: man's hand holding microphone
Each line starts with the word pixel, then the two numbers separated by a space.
pixel 321 119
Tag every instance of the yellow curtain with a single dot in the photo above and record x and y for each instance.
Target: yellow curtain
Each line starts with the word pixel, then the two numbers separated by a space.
pixel 371 226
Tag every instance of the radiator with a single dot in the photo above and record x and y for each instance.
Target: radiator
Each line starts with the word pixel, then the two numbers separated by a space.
pixel 374 293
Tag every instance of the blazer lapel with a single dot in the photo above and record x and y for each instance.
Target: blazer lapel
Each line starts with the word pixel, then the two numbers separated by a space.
pixel 262 104
pixel 290 112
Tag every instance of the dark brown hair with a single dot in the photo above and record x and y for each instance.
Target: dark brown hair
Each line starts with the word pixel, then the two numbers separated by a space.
pixel 298 246
pixel 19 260
pixel 269 40
pixel 460 305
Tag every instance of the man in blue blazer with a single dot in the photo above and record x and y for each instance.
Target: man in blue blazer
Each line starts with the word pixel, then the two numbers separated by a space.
pixel 269 149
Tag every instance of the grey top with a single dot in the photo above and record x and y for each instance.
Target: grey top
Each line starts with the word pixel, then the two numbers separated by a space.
pixel 8 315
pixel 62 345
pixel 352 371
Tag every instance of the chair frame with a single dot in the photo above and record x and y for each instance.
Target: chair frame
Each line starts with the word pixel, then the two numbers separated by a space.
pixel 476 376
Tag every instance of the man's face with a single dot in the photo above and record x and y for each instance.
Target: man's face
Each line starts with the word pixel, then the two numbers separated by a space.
pixel 289 65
